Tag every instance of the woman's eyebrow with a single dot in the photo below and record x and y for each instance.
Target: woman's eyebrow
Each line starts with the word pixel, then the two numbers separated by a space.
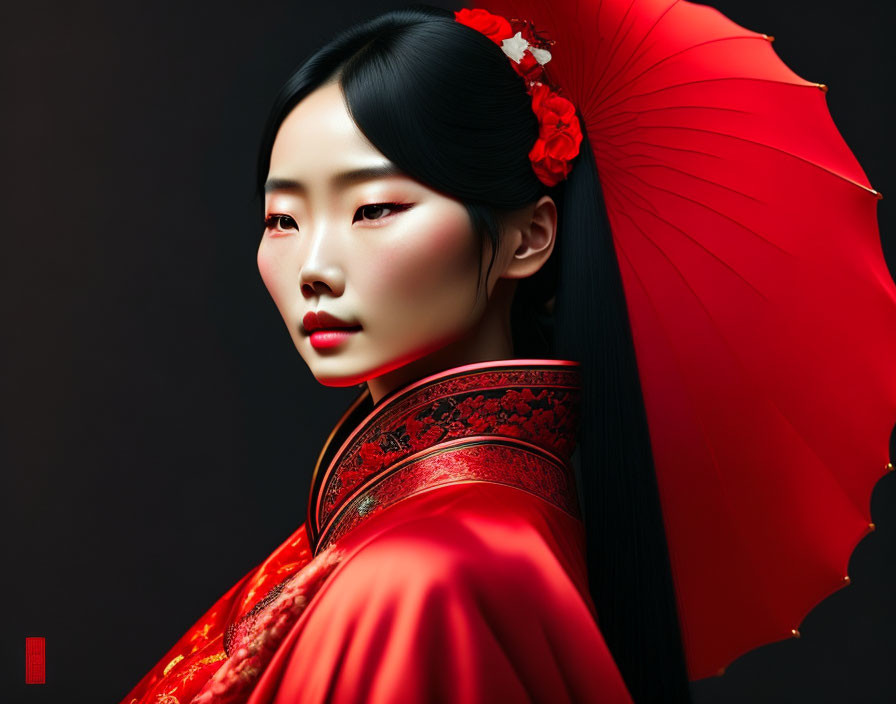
pixel 343 179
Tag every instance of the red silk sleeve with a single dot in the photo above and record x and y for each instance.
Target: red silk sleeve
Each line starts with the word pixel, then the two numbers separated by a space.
pixel 468 594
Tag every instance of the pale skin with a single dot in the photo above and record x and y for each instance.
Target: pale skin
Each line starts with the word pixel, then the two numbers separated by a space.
pixel 407 275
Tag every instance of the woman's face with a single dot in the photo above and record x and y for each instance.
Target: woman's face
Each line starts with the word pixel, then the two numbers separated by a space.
pixel 388 267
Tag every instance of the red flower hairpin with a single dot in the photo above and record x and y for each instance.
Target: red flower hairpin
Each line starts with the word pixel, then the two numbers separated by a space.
pixel 559 134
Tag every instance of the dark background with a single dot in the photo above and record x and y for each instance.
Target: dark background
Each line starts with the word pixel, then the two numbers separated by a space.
pixel 158 426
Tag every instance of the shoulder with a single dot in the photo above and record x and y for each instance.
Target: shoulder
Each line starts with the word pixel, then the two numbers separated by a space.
pixel 479 537
pixel 492 557
pixel 460 596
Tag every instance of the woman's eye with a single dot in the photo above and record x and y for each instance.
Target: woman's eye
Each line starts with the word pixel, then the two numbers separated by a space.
pixel 280 222
pixel 378 211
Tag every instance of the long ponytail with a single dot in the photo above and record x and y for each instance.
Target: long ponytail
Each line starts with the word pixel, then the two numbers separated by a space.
pixel 628 561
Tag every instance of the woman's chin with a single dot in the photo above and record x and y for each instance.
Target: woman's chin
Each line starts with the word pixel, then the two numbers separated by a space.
pixel 416 362
pixel 342 381
pixel 352 376
pixel 348 375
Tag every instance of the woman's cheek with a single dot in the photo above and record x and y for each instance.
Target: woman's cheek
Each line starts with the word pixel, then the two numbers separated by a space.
pixel 271 270
pixel 428 258
pixel 261 260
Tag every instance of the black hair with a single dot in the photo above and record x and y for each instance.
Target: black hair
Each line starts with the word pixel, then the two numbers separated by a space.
pixel 442 102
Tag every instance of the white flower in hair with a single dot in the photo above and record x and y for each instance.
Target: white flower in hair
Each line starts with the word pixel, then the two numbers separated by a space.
pixel 542 56
pixel 515 47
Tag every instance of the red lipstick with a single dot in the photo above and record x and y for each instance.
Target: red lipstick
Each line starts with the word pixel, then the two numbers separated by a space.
pixel 326 331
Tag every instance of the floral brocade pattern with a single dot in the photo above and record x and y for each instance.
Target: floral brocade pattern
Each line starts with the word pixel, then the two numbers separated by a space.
pixel 537 405
pixel 491 462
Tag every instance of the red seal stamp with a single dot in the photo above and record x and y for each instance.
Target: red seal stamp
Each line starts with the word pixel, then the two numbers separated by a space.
pixel 35 661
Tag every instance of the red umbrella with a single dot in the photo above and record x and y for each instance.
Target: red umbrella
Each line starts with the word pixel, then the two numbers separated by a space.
pixel 763 313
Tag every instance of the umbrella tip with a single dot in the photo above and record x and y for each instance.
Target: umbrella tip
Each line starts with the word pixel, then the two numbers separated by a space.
pixel 871 526
pixel 880 196
pixel 822 86
pixel 889 465
pixel 796 633
pixel 846 579
pixel 769 37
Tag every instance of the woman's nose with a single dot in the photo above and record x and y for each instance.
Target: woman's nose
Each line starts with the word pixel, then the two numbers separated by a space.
pixel 321 272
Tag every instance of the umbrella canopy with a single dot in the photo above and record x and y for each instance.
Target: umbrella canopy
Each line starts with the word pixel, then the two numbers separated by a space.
pixel 761 307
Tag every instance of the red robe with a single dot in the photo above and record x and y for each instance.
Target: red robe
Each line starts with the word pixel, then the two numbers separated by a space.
pixel 442 559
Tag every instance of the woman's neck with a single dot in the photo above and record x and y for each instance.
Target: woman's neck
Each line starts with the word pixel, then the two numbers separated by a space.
pixel 490 339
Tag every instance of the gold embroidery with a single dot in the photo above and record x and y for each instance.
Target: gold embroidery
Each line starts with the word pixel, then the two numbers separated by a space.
pixel 168 698
pixel 288 567
pixel 188 675
pixel 213 658
pixel 250 595
pixel 196 666
pixel 171 665
pixel 203 633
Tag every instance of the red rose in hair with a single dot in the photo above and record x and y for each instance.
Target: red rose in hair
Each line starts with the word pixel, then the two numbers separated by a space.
pixel 551 107
pixel 559 129
pixel 494 27
pixel 559 135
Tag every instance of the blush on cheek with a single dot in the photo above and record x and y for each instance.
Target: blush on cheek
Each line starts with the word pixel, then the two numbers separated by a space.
pixel 268 268
pixel 438 254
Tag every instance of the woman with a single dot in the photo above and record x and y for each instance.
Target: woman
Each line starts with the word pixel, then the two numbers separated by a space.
pixel 434 229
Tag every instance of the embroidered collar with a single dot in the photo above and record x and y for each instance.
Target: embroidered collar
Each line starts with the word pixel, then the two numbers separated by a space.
pixel 509 421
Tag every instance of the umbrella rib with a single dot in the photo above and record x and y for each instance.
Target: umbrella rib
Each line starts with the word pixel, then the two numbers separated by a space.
pixel 705 249
pixel 672 56
pixel 615 46
pixel 699 178
pixel 629 116
pixel 597 49
pixel 703 205
pixel 634 192
pixel 576 79
pixel 595 86
pixel 660 146
pixel 759 144
pixel 582 62
pixel 626 155
pixel 634 57
pixel 681 107
pixel 733 354
pixel 707 80
pixel 601 126
pixel 733 523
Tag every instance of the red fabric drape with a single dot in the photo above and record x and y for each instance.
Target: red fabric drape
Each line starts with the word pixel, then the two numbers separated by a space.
pixel 473 593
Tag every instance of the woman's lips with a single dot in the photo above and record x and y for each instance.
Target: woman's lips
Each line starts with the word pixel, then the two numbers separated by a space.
pixel 326 330
pixel 326 338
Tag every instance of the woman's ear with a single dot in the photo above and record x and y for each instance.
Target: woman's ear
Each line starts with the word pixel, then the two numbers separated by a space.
pixel 533 231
